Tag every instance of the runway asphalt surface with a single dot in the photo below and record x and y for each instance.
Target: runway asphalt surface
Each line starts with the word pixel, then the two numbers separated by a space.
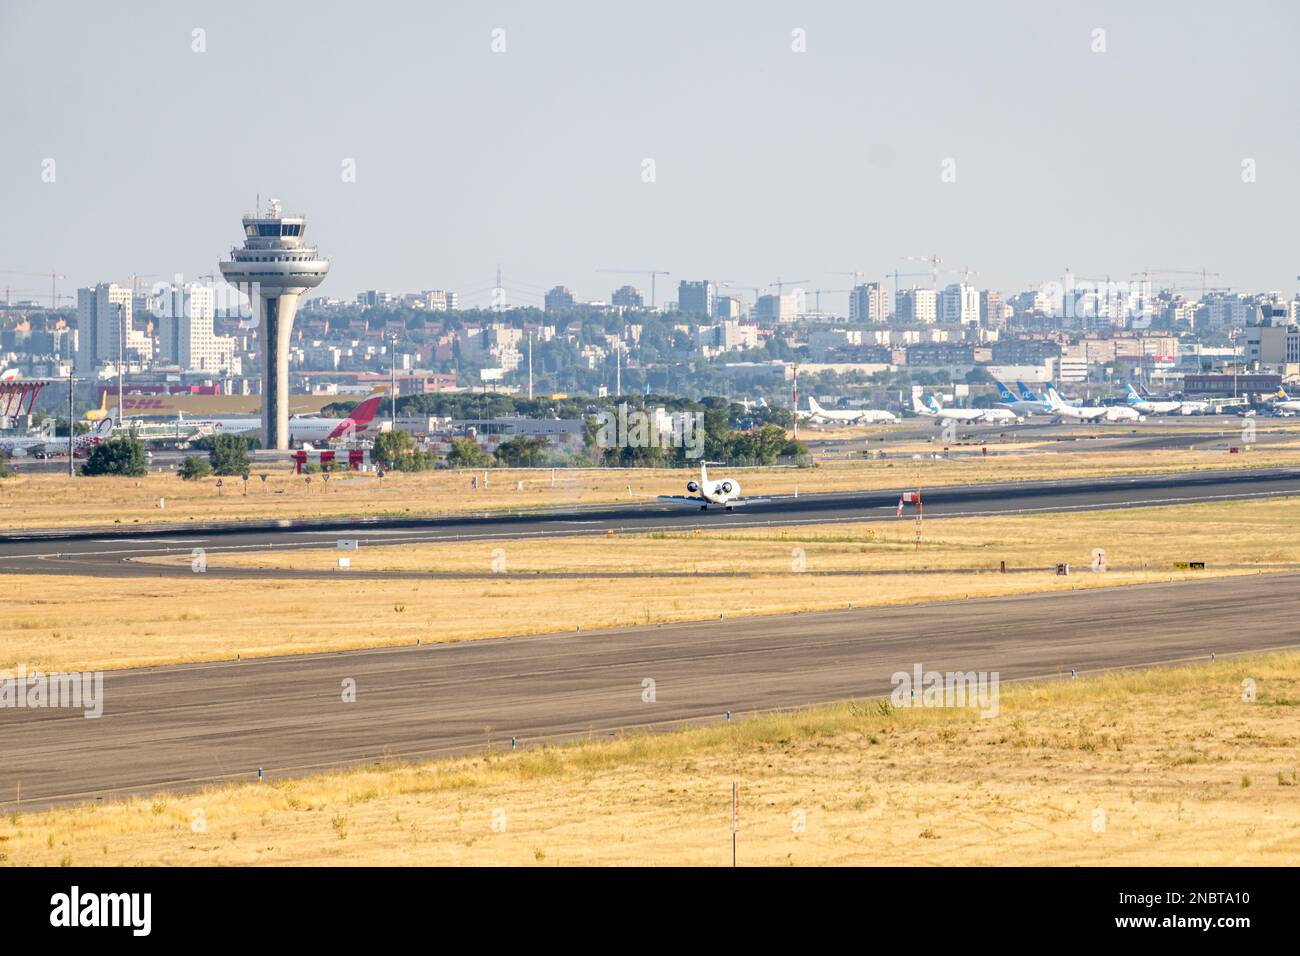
pixel 183 727
pixel 114 552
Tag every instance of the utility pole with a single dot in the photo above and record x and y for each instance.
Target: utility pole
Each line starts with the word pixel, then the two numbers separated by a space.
pixel 530 366
pixel 392 395
pixel 71 380
pixel 796 401
pixel 121 337
pixel 618 370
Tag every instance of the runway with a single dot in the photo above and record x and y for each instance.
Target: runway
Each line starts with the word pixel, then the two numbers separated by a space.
pixel 113 552
pixel 183 727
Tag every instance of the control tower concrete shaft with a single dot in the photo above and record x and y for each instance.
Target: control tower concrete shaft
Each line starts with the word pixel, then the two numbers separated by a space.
pixel 274 268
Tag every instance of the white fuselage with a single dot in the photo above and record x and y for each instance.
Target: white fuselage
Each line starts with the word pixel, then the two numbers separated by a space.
pixel 1098 413
pixel 862 417
pixel 1022 407
pixel 717 492
pixel 315 429
pixel 1092 413
pixel 1148 407
pixel 857 416
pixel 971 415
pixel 223 426
pixel 18 447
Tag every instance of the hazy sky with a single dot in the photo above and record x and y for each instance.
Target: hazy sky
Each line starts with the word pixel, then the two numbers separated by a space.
pixel 767 162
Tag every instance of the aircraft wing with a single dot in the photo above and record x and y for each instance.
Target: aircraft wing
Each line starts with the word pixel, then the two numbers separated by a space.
pixel 733 503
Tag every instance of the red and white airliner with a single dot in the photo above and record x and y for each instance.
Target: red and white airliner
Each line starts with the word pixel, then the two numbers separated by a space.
pixel 304 429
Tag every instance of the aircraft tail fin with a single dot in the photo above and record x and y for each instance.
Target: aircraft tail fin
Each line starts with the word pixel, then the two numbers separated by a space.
pixel 364 413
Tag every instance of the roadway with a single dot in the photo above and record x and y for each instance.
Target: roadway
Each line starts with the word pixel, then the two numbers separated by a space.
pixel 114 552
pixel 180 728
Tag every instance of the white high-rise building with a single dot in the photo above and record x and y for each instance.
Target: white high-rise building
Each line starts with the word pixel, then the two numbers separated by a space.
pixel 916 305
pixel 959 304
pixel 103 313
pixel 777 308
pixel 185 334
pixel 867 304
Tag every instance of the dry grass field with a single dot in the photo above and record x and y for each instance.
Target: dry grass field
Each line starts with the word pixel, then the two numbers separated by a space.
pixel 1168 767
pixel 51 500
pixel 51 623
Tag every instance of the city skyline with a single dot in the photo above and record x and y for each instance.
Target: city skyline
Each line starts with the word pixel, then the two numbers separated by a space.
pixel 696 142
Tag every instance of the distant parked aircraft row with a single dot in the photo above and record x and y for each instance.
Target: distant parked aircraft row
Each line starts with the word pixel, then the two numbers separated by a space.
pixel 1019 403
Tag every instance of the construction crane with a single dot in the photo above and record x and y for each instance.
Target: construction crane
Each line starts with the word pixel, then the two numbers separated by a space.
pixel 857 275
pixel 905 275
pixel 135 281
pixel 964 273
pixel 1205 274
pixel 934 261
pixel 817 294
pixel 54 278
pixel 652 273
pixel 782 283
pixel 9 294
pixel 742 288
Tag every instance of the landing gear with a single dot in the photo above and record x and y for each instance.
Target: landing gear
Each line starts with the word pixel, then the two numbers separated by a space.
pixel 704 507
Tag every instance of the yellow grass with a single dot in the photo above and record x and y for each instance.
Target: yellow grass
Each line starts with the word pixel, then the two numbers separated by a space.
pixel 51 500
pixel 134 621
pixel 1166 767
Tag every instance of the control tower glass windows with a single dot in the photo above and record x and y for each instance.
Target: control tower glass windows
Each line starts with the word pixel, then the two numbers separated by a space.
pixel 272 230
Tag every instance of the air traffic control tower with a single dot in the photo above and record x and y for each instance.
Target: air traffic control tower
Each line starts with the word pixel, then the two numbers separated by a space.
pixel 273 268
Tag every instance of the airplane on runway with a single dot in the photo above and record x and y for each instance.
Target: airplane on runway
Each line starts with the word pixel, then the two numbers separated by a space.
pixel 1173 406
pixel 21 447
pixel 724 491
pixel 304 429
pixel 1091 413
pixel 974 416
pixel 1019 403
pixel 856 416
